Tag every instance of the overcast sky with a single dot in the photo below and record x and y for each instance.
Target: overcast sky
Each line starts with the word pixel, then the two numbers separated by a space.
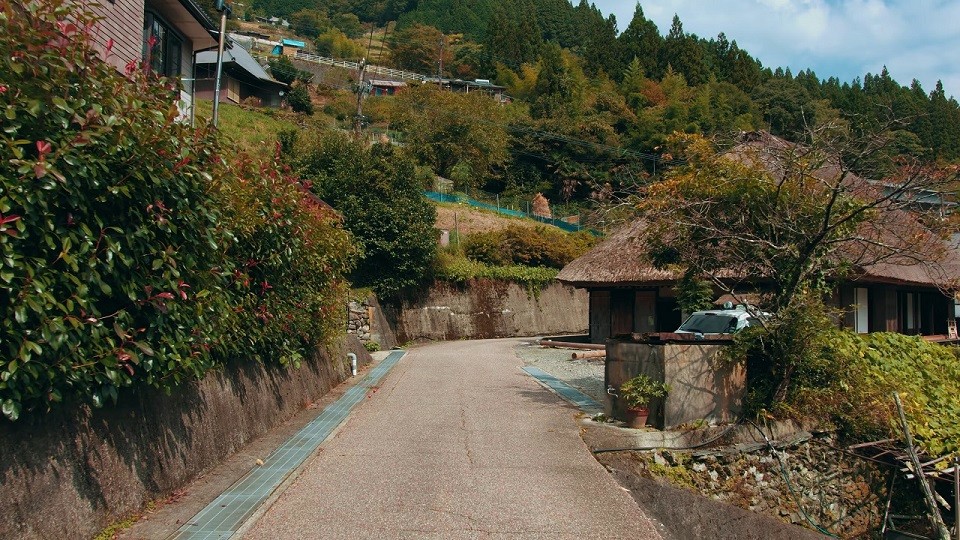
pixel 915 39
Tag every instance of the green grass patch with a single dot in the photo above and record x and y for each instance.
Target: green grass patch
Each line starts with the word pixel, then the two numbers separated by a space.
pixel 254 130
pixel 458 269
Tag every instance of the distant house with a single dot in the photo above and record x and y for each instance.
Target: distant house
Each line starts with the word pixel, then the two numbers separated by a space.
pixel 253 41
pixel 288 47
pixel 385 88
pixel 163 34
pixel 629 295
pixel 243 77
pixel 477 85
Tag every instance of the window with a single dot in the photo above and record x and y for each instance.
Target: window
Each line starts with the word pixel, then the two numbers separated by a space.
pixel 162 47
pixel 861 313
pixel 709 323
pixel 909 313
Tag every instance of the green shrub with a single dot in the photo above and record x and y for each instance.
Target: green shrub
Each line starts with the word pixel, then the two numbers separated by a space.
pixel 299 100
pixel 487 248
pixel 288 285
pixel 376 190
pixel 283 70
pixel 527 246
pixel 132 252
pixel 872 367
pixel 454 269
pixel 641 389
pixel 111 238
pixel 849 378
pixel 371 346
pixel 334 43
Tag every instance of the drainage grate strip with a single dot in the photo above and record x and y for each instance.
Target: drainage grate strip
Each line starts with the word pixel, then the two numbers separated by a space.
pixel 565 391
pixel 227 513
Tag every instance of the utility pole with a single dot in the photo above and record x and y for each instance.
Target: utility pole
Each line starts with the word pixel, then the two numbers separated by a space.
pixel 361 86
pixel 440 63
pixel 224 10
pixel 386 35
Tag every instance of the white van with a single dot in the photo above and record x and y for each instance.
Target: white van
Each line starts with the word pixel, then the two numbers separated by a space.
pixel 721 321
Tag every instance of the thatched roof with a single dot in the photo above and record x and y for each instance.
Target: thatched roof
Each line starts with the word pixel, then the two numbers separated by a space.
pixel 621 261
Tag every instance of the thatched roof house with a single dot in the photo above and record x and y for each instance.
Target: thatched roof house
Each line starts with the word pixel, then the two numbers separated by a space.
pixel 900 293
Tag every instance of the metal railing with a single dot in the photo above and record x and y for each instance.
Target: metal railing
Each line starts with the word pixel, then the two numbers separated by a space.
pixel 346 64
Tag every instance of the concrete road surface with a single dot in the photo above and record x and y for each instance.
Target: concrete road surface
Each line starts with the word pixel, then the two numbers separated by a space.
pixel 456 443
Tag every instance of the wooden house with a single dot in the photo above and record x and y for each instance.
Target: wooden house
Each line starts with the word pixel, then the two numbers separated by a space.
pixel 385 88
pixel 242 78
pixel 163 34
pixel 288 47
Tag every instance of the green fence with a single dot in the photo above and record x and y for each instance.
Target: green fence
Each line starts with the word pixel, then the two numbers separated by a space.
pixel 463 199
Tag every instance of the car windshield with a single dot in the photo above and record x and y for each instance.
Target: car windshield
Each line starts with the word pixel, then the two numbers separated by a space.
pixel 709 323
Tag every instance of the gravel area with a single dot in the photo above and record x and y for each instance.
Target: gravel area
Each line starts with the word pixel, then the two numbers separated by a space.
pixel 584 375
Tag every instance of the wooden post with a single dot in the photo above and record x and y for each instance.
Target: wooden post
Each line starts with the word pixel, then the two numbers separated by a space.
pixel 956 497
pixel 935 519
pixel 456 227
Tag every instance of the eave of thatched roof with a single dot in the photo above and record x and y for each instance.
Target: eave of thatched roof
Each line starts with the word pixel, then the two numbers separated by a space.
pixel 617 261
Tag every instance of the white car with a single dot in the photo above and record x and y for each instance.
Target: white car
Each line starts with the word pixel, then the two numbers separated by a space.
pixel 721 321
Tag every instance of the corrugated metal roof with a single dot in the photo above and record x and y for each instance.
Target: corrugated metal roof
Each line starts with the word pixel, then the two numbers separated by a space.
pixel 387 84
pixel 239 56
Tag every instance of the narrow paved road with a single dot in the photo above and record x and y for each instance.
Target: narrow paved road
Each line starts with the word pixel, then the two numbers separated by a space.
pixel 456 443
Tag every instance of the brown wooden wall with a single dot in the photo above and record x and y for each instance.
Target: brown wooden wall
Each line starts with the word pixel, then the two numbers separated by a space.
pixel 888 309
pixel 623 311
pixel 122 21
pixel 599 316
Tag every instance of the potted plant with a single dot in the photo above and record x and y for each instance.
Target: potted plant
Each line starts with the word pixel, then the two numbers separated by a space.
pixel 636 394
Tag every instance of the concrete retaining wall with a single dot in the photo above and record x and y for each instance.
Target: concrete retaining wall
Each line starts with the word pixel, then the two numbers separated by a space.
pixel 701 386
pixel 69 474
pixel 486 308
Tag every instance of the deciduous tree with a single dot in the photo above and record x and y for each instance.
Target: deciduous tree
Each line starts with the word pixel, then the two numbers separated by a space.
pixel 794 216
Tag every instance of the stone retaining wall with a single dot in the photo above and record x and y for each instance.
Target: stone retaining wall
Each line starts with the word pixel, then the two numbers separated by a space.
pixel 807 483
pixel 367 321
pixel 70 473
pixel 484 308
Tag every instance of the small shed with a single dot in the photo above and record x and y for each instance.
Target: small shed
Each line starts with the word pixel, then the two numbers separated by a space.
pixel 385 88
pixel 288 47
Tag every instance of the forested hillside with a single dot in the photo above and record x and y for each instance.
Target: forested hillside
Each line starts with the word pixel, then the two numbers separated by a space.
pixel 594 103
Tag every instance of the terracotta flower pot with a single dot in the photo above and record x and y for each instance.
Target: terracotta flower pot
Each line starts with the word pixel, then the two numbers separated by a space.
pixel 636 417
